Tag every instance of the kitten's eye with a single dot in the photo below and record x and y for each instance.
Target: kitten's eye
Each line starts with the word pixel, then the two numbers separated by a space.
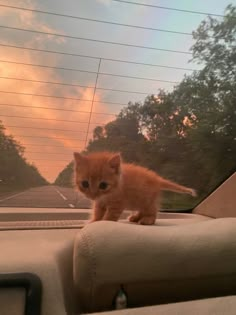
pixel 85 184
pixel 103 185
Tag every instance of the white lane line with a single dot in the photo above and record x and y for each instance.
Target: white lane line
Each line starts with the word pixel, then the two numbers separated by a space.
pixel 71 205
pixel 12 196
pixel 62 196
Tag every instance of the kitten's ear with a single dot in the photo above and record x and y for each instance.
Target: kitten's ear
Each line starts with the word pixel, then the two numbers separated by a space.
pixel 78 157
pixel 115 162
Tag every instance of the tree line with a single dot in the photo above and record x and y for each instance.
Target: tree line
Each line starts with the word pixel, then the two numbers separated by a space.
pixel 15 172
pixel 189 134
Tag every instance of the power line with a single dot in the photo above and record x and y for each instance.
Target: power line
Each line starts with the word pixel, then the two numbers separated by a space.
pixel 43 66
pixel 51 160
pixel 94 40
pixel 52 129
pixel 51 119
pixel 147 64
pixel 66 110
pixel 90 87
pixel 138 78
pixel 84 56
pixel 96 20
pixel 43 95
pixel 78 70
pixel 48 145
pixel 76 85
pixel 101 73
pixel 58 120
pixel 169 8
pixel 123 91
pixel 45 50
pixel 53 153
pixel 61 97
pixel 44 137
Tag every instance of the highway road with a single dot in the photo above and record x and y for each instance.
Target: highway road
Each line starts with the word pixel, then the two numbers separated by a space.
pixel 46 197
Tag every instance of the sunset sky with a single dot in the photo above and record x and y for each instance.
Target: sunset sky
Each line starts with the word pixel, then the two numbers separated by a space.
pixel 51 128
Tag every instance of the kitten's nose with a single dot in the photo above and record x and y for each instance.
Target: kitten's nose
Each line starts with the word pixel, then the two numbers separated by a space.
pixel 93 195
pixel 93 191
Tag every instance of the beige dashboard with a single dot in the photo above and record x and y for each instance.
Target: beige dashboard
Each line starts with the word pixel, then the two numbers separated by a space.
pixel 42 242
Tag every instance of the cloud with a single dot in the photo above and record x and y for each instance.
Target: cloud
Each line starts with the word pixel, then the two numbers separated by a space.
pixel 105 2
pixel 53 147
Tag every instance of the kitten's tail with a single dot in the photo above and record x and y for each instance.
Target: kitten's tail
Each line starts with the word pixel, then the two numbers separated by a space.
pixel 171 186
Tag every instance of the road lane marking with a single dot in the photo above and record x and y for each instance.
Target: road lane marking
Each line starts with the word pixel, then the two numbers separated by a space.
pixel 71 205
pixel 62 196
pixel 12 196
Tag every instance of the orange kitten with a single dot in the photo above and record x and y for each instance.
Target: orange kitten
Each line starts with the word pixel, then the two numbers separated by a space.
pixel 116 186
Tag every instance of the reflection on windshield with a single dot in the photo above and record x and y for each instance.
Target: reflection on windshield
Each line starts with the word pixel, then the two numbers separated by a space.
pixel 73 85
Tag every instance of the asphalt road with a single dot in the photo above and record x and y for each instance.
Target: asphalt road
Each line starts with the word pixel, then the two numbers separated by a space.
pixel 46 197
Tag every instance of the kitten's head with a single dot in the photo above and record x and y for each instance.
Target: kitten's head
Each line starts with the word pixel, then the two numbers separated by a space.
pixel 97 174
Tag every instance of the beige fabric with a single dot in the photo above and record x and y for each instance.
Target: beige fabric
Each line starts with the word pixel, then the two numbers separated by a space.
pixel 168 219
pixel 217 306
pixel 156 264
pixel 221 203
pixel 48 254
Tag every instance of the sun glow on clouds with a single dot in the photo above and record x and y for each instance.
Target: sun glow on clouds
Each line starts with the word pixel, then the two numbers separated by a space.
pixel 53 147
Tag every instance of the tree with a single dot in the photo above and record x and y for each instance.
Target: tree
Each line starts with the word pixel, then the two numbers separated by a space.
pixel 98 133
pixel 15 171
pixel 210 95
pixel 65 177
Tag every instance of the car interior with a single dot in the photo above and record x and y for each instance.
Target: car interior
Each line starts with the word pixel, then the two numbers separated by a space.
pixel 184 264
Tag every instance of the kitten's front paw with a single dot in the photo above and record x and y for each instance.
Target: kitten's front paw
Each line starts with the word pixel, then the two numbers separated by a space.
pixel 134 217
pixel 147 220
pixel 91 221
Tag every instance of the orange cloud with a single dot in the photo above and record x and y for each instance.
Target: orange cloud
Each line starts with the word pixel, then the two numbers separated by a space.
pixel 53 148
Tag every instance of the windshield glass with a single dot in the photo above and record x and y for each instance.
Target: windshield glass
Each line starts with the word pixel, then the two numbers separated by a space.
pixel 155 82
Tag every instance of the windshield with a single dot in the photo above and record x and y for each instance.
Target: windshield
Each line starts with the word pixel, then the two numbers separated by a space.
pixel 155 82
